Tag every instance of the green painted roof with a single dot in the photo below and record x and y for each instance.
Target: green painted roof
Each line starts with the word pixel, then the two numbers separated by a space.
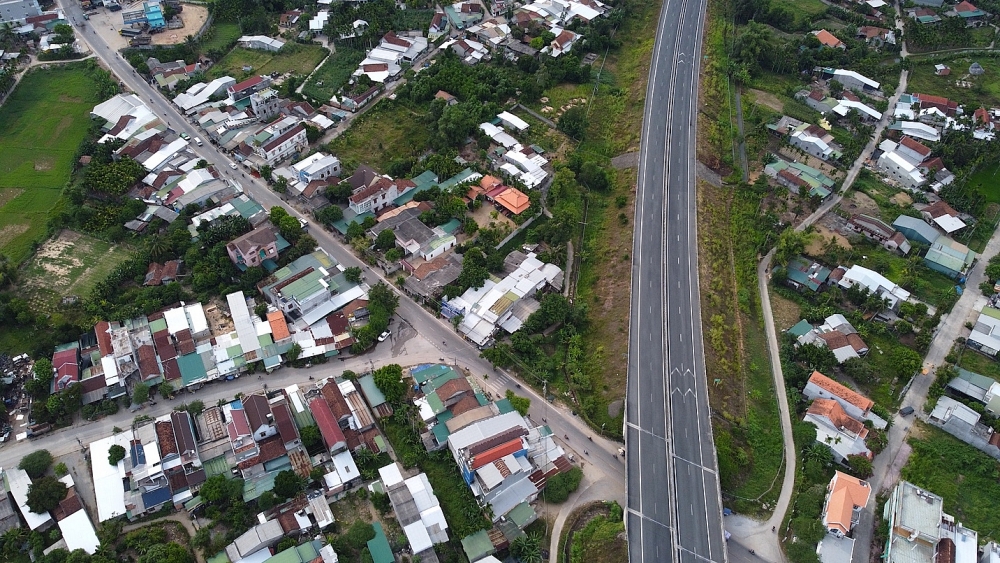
pixel 158 325
pixel 522 514
pixel 217 466
pixel 801 328
pixel 991 312
pixel 234 351
pixel 457 179
pixel 192 368
pixel 440 431
pixel 451 226
pixel 380 442
pixel 976 379
pixel 435 403
pixel 298 554
pixel 425 181
pixel 253 488
pixel 246 209
pixel 371 391
pixel 305 286
pixel 265 340
pixel 478 545
pixel 194 503
pixel 482 399
pixel 437 382
pixel 504 406
pixel 429 371
pixel 220 557
pixel 379 546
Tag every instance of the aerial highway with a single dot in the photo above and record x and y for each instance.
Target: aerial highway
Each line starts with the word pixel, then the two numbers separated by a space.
pixel 674 504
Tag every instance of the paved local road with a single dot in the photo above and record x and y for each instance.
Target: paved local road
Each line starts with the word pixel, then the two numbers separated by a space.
pixel 442 342
pixel 674 502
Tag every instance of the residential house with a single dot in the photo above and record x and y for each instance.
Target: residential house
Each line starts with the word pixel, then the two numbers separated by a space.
pixel 257 538
pixel 74 523
pixel 856 405
pixel 18 11
pixel 837 334
pixel 562 43
pixel 946 106
pixel 985 336
pixel 817 100
pixel 943 216
pixel 983 389
pixel 924 15
pixel 309 289
pixel 949 257
pixel 846 497
pixel 920 531
pixel 242 90
pixel 901 161
pixel 506 461
pixel 66 363
pixel 417 509
pixel 867 113
pixel 851 80
pixel 512 201
pixel 844 435
pixel 159 274
pixel 803 273
pixel 258 412
pixel 916 230
pixel 318 166
pixel 471 52
pixel 241 437
pixel 876 36
pixel 797 176
pixel 879 231
pixel 17 482
pixel 261 42
pixel 496 305
pixel 814 140
pixel 253 248
pixel 373 191
pixel 333 436
pixel 985 125
pixel 828 39
pixel 8 516
pixel 971 15
pixel 464 14
pixel 279 140
pixel 448 98
pixel 875 283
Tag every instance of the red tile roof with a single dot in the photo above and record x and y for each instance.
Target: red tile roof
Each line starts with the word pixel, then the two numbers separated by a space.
pixel 828 39
pixel 495 453
pixel 915 146
pixel 271 449
pixel 248 83
pixel 279 328
pixel 165 438
pixel 838 417
pixel 283 420
pixel 329 429
pixel 393 39
pixel 271 144
pixel 336 401
pixel 838 390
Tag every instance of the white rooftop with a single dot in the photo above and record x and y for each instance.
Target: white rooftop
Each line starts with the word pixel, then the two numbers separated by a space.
pixel 390 475
pixel 108 478
pixel 78 531
pixel 18 483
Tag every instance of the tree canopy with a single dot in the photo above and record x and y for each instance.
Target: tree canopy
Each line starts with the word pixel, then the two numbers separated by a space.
pixel 45 493
pixel 36 463
pixel 389 380
pixel 116 453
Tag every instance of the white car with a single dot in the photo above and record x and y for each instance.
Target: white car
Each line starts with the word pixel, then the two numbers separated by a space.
pixel 383 336
pixel 232 165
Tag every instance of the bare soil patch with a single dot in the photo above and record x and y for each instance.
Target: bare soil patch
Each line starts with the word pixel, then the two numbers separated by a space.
pixel 767 99
pixel 9 232
pixel 484 217
pixel 822 237
pixel 786 312
pixel 902 199
pixel 8 194
pixel 860 203
pixel 193 17
pixel 43 163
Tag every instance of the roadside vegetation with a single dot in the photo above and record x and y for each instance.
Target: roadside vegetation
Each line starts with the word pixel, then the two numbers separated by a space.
pixel 965 477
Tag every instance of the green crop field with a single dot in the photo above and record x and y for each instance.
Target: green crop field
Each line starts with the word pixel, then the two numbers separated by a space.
pixel 221 36
pixel 387 131
pixel 293 57
pixel 334 74
pixel 41 127
pixel 69 264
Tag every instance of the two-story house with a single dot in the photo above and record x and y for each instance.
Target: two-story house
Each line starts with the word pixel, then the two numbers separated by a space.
pixel 243 90
pixel 378 194
pixel 280 140
pixel 855 404
pixel 259 416
pixel 318 166
pixel 253 248
pixel 846 497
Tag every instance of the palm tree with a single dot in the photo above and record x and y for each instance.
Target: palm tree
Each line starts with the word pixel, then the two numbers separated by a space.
pixel 526 548
pixel 157 247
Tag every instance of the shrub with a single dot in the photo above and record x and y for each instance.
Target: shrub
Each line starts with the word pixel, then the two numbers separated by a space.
pixel 562 485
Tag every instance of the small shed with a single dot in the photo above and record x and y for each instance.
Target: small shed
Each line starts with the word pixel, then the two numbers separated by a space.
pixel 976 69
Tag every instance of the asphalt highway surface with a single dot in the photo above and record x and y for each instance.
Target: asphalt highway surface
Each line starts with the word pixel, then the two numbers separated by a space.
pixel 674 502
